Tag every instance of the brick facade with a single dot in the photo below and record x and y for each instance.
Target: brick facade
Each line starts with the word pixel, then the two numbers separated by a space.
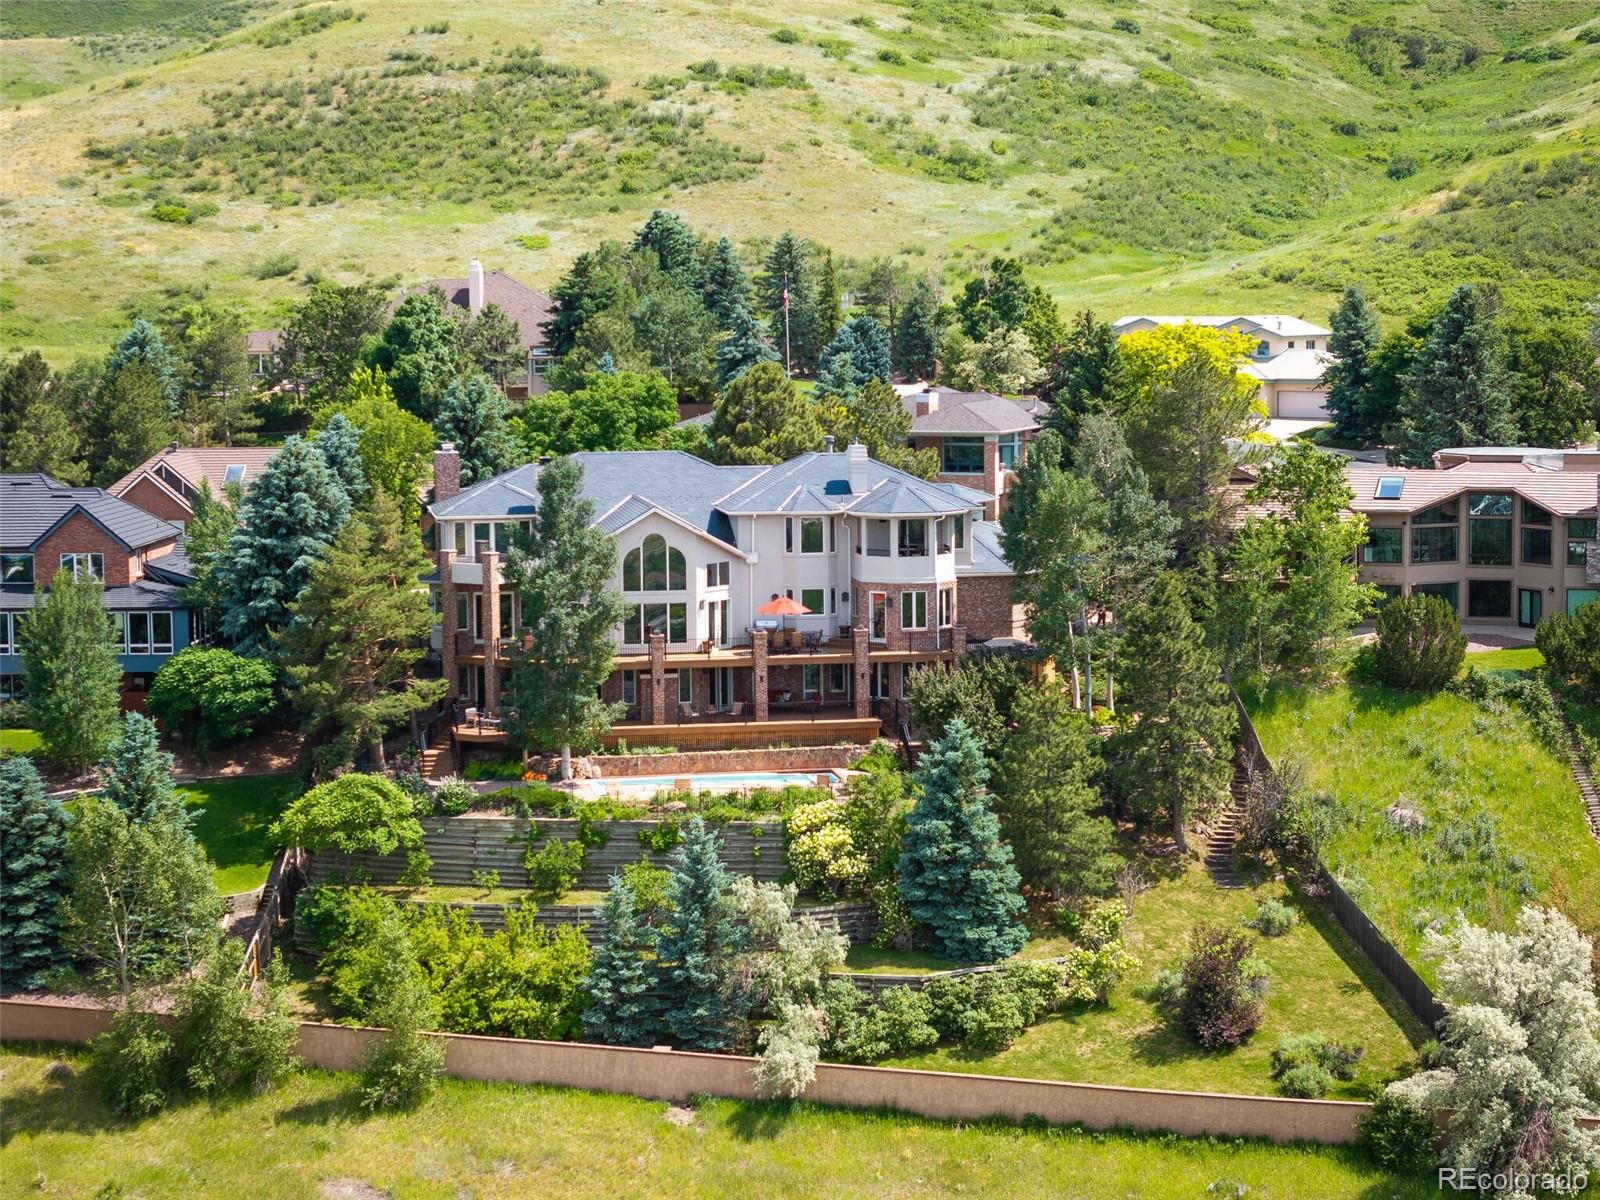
pixel 986 609
pixel 927 640
pixel 80 535
pixel 158 501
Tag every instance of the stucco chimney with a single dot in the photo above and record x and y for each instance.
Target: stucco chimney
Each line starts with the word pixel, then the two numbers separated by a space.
pixel 475 287
pixel 856 461
pixel 446 472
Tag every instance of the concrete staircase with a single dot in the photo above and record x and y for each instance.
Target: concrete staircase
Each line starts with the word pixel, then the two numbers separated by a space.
pixel 1224 832
pixel 438 761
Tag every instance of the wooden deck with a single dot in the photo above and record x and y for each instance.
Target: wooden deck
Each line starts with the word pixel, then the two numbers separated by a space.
pixel 722 732
pixel 837 650
pixel 480 735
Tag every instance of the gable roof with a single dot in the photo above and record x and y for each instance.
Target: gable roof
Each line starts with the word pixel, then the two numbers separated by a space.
pixel 1278 324
pixel 1565 493
pixel 527 306
pixel 973 413
pixel 1292 366
pixel 33 505
pixel 263 341
pixel 180 469
pixel 820 483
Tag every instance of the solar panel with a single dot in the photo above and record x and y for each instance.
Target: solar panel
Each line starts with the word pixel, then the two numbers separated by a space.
pixel 1389 487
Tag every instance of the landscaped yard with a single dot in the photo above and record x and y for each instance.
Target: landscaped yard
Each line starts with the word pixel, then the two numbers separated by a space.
pixel 495 1141
pixel 18 741
pixel 233 826
pixel 1321 983
pixel 1500 807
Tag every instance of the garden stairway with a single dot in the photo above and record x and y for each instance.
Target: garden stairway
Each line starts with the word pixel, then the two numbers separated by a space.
pixel 1224 831
pixel 1588 793
pixel 438 761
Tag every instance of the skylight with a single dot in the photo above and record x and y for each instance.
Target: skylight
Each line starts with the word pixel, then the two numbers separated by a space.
pixel 1389 487
pixel 234 474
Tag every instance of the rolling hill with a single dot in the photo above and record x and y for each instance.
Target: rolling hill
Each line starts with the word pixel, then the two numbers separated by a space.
pixel 1159 156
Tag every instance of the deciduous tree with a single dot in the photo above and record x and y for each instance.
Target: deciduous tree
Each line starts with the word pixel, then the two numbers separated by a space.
pixel 70 670
pixel 418 352
pixel 325 337
pixel 213 696
pixel 395 446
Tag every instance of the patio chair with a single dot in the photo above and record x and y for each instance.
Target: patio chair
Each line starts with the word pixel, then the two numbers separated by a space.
pixel 471 716
pixel 813 641
pixel 736 709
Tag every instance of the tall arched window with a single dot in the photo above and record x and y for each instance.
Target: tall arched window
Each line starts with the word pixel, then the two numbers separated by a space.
pixel 654 567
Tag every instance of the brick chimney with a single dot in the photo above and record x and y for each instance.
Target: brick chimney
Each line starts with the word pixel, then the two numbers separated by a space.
pixel 856 462
pixel 927 402
pixel 475 287
pixel 446 472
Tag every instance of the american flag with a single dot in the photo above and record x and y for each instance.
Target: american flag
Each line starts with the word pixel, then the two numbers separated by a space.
pixel 785 293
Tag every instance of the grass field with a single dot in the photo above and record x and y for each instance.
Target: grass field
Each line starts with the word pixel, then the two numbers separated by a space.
pixel 497 1141
pixel 19 741
pixel 1254 160
pixel 236 814
pixel 1320 984
pixel 1504 821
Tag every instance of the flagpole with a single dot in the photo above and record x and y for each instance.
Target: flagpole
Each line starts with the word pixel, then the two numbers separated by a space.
pixel 787 369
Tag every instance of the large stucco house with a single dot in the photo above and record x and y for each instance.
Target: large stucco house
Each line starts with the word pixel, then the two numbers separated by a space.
pixel 1290 358
pixel 895 572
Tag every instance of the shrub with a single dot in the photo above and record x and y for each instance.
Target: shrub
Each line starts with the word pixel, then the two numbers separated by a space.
pixel 1273 918
pixel 1496 690
pixel 1401 166
pixel 275 267
pixel 1221 1003
pixel 403 1066
pixel 789 1052
pixel 353 813
pixel 820 850
pixel 1313 1051
pixel 554 867
pixel 1126 25
pixel 419 869
pixel 1570 644
pixel 454 796
pixel 132 1064
pixel 233 1038
pixel 1305 1081
pixel 1398 1135
pixel 649 884
pixel 1420 645
pixel 786 36
pixel 891 56
pixel 212 696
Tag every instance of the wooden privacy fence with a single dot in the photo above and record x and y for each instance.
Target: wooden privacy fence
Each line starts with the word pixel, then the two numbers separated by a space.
pixel 286 878
pixel 460 846
pixel 1391 964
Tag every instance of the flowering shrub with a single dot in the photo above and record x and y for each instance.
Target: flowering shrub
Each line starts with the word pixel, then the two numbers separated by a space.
pixel 822 850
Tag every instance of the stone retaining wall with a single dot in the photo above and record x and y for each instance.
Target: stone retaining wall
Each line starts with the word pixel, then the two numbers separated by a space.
pixel 857 922
pixel 712 762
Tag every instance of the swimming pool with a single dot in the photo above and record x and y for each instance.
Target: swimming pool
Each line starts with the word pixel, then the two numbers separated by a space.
pixel 717 781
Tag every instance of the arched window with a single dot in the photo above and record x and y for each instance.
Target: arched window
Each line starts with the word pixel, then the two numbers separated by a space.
pixel 655 567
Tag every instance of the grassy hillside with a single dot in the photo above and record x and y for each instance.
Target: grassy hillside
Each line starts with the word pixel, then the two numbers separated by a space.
pixel 1158 156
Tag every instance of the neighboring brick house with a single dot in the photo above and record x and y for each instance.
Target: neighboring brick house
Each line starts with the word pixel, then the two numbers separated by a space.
pixel 895 572
pixel 47 527
pixel 166 483
pixel 528 307
pixel 982 439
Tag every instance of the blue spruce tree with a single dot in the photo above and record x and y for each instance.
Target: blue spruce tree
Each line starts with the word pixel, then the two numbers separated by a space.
pixel 956 875
pixel 472 414
pixel 33 866
pixel 143 343
pixel 138 772
pixel 867 344
pixel 695 953
pixel 741 348
pixel 621 1011
pixel 339 443
pixel 288 520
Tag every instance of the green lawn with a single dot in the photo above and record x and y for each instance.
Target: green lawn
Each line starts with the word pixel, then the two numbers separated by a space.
pixel 1514 658
pixel 1320 984
pixel 18 741
pixel 1463 768
pixel 237 813
pixel 498 1141
pixel 871 961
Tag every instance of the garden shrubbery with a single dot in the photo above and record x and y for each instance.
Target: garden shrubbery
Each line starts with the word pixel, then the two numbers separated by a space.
pixel 1420 645
pixel 1220 987
pixel 1306 1065
pixel 212 696
pixel 352 813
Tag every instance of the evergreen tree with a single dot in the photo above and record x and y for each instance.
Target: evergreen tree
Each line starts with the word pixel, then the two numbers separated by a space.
pixel 1353 338
pixel 956 875
pixel 1087 374
pixel 143 343
pixel 828 301
pixel 676 248
pixel 1554 379
pixel 70 671
pixel 727 289
pixel 874 416
pixel 339 443
pixel 1456 394
pixel 324 338
pixel 289 519
pixel 205 542
pixel 867 344
pixel 1000 298
pixel 219 386
pixel 788 269
pixel 742 347
pixel 492 343
pixel 358 629
pixel 763 418
pixel 621 1011
pixel 703 1008
pixel 37 433
pixel 594 284
pixel 473 416
pixel 1045 801
pixel 131 420
pixel 33 863
pixel 418 352
pixel 1388 368
pixel 137 772
pixel 562 577
pixel 1178 753
pixel 918 337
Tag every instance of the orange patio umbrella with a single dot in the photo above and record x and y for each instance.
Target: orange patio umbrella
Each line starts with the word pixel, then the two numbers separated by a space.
pixel 782 606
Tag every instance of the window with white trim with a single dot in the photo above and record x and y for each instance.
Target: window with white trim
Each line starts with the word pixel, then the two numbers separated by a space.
pixel 654 566
pixel 10 632
pixel 947 606
pixel 914 610
pixel 91 566
pixel 141 632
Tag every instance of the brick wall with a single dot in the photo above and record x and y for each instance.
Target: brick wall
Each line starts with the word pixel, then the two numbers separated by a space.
pixel 790 758
pixel 157 501
pixel 928 639
pixel 80 535
pixel 983 603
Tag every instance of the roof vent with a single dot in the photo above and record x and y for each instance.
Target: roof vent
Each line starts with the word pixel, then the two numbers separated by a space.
pixel 856 462
pixel 827 444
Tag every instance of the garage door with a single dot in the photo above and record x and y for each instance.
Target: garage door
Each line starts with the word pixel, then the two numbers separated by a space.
pixel 1303 405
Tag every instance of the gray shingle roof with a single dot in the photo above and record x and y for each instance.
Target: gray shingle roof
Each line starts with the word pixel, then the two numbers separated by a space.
pixel 823 481
pixel 32 505
pixel 986 556
pixel 145 593
pixel 974 413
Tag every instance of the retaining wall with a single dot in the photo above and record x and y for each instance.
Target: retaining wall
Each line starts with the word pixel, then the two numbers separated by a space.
pixel 857 922
pixel 792 758
pixel 461 845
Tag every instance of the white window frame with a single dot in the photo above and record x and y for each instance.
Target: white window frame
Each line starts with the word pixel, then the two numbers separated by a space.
pixel 97 565
pixel 920 601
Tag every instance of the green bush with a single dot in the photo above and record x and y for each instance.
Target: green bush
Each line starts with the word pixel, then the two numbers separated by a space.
pixel 133 1064
pixel 1221 1004
pixel 1305 1081
pixel 454 796
pixel 649 884
pixel 1398 1135
pixel 1497 690
pixel 1419 645
pixel 1570 644
pixel 1126 25
pixel 891 56
pixel 353 813
pixel 1302 1054
pixel 786 36
pixel 554 867
pixel 212 697
pixel 234 1039
pixel 1273 918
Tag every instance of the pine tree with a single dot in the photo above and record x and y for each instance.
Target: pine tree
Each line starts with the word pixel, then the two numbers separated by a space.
pixel 867 344
pixel 137 772
pixel 917 340
pixel 37 432
pixel 742 347
pixel 956 875
pixel 562 577
pixel 676 248
pixel 143 343
pixel 763 418
pixel 1352 339
pixel 788 266
pixel 727 290
pixel 472 414
pixel 289 519
pixel 70 671
pixel 695 952
pixel 1456 394
pixel 131 420
pixel 874 416
pixel 205 541
pixel 33 867
pixel 492 342
pixel 219 392
pixel 621 1011
pixel 828 301
pixel 358 629
pixel 339 443
pixel 998 299
pixel 595 283
pixel 1177 754
pixel 418 352
pixel 1087 373
pixel 1044 799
